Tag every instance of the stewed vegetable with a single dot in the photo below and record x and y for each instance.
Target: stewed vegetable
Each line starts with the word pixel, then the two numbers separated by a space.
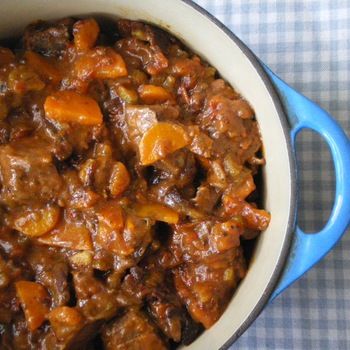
pixel 127 170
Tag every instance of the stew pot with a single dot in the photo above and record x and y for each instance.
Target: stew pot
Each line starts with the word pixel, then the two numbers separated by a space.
pixel 284 252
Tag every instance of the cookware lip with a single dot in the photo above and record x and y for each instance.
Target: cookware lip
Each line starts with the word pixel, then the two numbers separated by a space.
pixel 293 175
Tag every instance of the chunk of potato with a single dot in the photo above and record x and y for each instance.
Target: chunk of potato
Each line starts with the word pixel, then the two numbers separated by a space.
pixel 71 107
pixel 64 321
pixel 119 180
pixel 69 236
pixel 85 34
pixel 34 301
pixel 43 67
pixel 157 212
pixel 151 94
pixel 160 140
pixel 36 222
pixel 100 63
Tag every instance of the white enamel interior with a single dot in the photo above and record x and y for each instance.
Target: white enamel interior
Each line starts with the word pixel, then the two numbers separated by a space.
pixel 204 37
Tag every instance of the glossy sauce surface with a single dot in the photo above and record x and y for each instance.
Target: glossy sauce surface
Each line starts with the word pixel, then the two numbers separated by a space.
pixel 127 188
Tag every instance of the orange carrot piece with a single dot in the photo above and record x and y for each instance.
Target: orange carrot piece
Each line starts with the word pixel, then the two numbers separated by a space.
pixel 71 107
pixel 151 94
pixel 157 212
pixel 85 34
pixel 119 180
pixel 33 298
pixel 160 140
pixel 36 222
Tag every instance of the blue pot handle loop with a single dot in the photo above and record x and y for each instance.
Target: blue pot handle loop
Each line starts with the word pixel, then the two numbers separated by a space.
pixel 308 249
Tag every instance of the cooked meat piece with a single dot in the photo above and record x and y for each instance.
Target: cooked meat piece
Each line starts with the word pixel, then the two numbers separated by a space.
pixel 13 245
pixel 164 307
pixel 139 54
pixel 4 132
pixel 74 194
pixel 138 120
pixel 94 298
pixel 78 340
pixel 49 39
pixel 17 337
pixel 166 311
pixel 146 32
pixel 21 125
pixel 27 173
pixel 206 198
pixel 166 111
pixel 206 287
pixel 178 168
pixel 201 143
pixel 131 332
pixel 51 271
pixel 196 241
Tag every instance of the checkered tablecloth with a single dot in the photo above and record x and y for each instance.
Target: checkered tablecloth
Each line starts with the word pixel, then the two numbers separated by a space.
pixel 307 43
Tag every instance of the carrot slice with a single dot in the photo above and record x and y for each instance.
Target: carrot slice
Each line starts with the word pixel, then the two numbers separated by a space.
pixel 36 222
pixel 33 298
pixel 151 94
pixel 157 212
pixel 85 34
pixel 69 106
pixel 160 140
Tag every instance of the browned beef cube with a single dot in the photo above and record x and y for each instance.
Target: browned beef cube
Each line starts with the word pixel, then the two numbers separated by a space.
pixel 132 332
pixel 27 173
pixel 49 39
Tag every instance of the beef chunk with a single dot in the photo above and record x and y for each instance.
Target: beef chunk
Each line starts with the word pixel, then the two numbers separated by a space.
pixel 206 198
pixel 132 332
pixel 177 168
pixel 206 287
pixel 163 305
pixel 141 54
pixel 49 39
pixel 27 173
pixel 93 297
pixel 52 272
pixel 76 340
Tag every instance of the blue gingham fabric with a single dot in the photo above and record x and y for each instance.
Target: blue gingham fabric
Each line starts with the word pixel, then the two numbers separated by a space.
pixel 307 43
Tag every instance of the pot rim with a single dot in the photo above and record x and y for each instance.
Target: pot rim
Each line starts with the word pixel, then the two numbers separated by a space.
pixel 293 171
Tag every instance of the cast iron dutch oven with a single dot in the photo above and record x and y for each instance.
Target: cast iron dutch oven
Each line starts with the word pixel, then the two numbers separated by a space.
pixel 284 252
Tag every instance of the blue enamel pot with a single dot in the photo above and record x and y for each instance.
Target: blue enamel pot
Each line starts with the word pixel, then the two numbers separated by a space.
pixel 283 252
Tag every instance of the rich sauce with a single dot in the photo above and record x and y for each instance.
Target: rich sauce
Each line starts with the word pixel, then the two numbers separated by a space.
pixel 127 186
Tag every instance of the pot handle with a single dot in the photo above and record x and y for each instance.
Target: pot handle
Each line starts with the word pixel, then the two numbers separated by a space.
pixel 307 249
